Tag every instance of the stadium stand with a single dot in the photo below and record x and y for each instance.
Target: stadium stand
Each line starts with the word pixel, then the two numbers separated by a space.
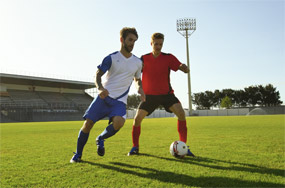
pixel 56 100
pixel 5 98
pixel 81 101
pixel 27 98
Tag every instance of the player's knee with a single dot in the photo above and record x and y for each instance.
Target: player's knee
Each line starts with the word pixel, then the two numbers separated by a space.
pixel 140 115
pixel 87 126
pixel 118 126
pixel 138 120
pixel 180 115
pixel 118 122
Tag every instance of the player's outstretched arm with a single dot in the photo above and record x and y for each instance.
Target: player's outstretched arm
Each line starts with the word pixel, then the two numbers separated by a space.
pixel 139 88
pixel 103 93
pixel 184 68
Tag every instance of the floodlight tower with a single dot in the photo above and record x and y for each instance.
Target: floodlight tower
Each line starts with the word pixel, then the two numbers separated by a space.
pixel 186 27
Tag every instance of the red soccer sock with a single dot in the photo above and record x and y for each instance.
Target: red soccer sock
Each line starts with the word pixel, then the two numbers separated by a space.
pixel 182 130
pixel 136 135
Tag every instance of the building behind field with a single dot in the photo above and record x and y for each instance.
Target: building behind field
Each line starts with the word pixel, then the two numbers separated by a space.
pixel 28 98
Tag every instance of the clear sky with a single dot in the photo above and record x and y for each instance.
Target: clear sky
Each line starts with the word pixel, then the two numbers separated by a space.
pixel 238 43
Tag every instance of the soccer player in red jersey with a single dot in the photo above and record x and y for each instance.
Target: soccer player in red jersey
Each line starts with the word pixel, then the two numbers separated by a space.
pixel 156 85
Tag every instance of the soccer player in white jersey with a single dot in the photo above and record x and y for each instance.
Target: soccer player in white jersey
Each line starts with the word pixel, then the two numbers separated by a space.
pixel 122 67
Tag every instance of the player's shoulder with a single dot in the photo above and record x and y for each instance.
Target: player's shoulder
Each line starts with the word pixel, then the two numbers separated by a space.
pixel 145 56
pixel 166 54
pixel 111 55
pixel 114 53
pixel 148 54
pixel 169 56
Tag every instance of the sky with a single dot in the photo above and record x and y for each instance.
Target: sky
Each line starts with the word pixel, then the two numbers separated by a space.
pixel 237 43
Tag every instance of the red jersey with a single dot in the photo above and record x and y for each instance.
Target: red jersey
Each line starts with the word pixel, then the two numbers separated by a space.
pixel 156 73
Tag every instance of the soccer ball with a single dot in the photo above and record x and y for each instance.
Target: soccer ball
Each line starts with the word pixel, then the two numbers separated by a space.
pixel 178 149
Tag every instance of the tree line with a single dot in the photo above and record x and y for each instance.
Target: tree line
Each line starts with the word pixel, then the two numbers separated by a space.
pixel 257 95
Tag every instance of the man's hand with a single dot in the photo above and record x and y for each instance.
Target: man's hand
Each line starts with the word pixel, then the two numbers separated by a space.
pixel 184 68
pixel 103 93
pixel 140 89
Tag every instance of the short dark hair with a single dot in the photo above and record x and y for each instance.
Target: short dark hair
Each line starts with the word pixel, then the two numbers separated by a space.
pixel 127 30
pixel 157 36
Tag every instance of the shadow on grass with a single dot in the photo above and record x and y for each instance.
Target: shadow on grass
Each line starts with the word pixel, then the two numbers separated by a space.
pixel 212 163
pixel 181 179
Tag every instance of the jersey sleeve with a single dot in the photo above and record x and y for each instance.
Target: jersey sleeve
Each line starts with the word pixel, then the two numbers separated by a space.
pixel 174 63
pixel 106 64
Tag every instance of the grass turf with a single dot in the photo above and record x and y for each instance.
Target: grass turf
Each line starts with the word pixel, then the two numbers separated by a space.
pixel 237 151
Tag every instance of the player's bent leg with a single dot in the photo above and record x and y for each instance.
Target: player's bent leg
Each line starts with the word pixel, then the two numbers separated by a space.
pixel 178 111
pixel 181 124
pixel 140 115
pixel 135 138
pixel 82 140
pixel 118 122
pixel 111 130
pixel 87 125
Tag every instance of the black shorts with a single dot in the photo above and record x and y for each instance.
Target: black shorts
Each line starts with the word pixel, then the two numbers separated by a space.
pixel 153 101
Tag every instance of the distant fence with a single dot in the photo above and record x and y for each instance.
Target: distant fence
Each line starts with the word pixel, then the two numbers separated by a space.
pixel 163 113
pixel 239 111
pixel 226 112
pixel 66 112
pixel 156 114
pixel 219 112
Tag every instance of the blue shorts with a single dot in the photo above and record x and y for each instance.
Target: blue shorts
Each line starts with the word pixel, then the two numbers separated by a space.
pixel 108 107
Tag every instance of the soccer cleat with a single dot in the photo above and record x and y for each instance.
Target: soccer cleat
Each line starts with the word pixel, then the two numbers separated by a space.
pixel 76 158
pixel 134 151
pixel 100 146
pixel 189 153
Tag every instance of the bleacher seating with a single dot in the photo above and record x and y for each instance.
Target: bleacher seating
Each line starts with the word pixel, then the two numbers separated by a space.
pixel 53 97
pixel 56 100
pixel 82 101
pixel 26 98
pixel 24 105
pixel 41 99
pixel 6 100
pixel 78 99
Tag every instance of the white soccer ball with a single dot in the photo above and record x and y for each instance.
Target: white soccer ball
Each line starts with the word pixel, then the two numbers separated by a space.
pixel 178 149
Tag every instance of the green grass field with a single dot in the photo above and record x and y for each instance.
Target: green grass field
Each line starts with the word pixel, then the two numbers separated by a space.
pixel 237 151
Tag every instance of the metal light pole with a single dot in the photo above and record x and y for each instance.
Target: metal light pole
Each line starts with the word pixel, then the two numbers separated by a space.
pixel 186 27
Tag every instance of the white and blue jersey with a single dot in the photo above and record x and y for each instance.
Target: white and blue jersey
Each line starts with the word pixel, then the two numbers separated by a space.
pixel 121 71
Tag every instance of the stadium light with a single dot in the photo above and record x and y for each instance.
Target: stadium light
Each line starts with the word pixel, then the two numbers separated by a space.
pixel 186 27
